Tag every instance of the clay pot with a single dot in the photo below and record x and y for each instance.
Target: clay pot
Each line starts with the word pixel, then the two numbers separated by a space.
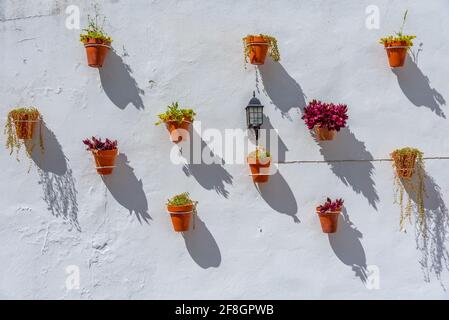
pixel 329 220
pixel 24 127
pixel 178 135
pixel 105 160
pixel 396 56
pixel 181 217
pixel 324 134
pixel 404 164
pixel 259 170
pixel 96 51
pixel 257 49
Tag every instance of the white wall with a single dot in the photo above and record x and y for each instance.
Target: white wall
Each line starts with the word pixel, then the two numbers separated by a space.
pixel 247 244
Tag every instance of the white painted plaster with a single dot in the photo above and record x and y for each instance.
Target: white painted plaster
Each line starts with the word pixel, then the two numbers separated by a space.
pixel 246 245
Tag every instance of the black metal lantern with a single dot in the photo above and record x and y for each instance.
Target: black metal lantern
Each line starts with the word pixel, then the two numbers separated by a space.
pixel 254 115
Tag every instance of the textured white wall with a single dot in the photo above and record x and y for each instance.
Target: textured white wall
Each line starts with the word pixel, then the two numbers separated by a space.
pixel 247 244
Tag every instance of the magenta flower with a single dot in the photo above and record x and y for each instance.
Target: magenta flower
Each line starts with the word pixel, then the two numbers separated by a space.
pixel 97 144
pixel 331 206
pixel 325 115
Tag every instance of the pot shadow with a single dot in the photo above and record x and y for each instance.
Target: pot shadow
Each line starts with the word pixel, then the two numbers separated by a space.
pixel 118 84
pixel 276 146
pixel 433 235
pixel 347 246
pixel 277 193
pixel 358 175
pixel 211 176
pixel 416 87
pixel 56 179
pixel 202 246
pixel 285 93
pixel 127 189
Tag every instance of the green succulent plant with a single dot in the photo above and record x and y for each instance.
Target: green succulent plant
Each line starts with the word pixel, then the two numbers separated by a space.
pixel 399 36
pixel 175 114
pixel 94 29
pixel 260 154
pixel 180 200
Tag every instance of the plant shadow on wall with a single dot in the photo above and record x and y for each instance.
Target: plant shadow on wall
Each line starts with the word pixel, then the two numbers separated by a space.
pixel 277 193
pixel 356 174
pixel 347 246
pixel 202 246
pixel 416 87
pixel 281 150
pixel 432 237
pixel 285 93
pixel 56 179
pixel 118 84
pixel 127 189
pixel 211 176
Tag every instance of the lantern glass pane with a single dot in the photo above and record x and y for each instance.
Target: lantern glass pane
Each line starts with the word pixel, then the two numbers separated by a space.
pixel 254 116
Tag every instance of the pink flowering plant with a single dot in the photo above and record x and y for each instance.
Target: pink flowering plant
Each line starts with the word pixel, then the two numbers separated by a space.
pixel 330 206
pixel 325 115
pixel 97 144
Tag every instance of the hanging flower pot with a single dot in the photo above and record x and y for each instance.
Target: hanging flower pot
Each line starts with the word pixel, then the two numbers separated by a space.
pixel 325 118
pixel 328 214
pixel 104 154
pixel 96 51
pixel 96 42
pixel 181 209
pixel 397 46
pixel 20 127
pixel 259 163
pixel 256 48
pixel 324 134
pixel 178 121
pixel 406 162
pixel 396 52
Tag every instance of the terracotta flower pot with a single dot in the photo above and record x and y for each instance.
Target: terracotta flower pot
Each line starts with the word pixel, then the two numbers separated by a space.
pixel 25 127
pixel 404 164
pixel 329 220
pixel 105 160
pixel 96 51
pixel 257 49
pixel 181 217
pixel 259 170
pixel 324 134
pixel 178 132
pixel 397 53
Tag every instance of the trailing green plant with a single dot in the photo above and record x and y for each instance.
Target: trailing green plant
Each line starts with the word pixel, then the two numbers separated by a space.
pixel 260 153
pixel 399 36
pixel 414 187
pixel 272 43
pixel 182 199
pixel 94 29
pixel 175 114
pixel 13 143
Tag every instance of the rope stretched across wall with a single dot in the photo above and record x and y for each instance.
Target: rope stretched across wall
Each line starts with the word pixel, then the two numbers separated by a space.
pixel 354 160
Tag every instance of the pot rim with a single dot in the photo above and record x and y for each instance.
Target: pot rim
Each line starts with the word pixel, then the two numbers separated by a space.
pixel 173 121
pixel 257 162
pixel 101 152
pixel 329 213
pixel 189 207
pixel 32 121
pixel 86 45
